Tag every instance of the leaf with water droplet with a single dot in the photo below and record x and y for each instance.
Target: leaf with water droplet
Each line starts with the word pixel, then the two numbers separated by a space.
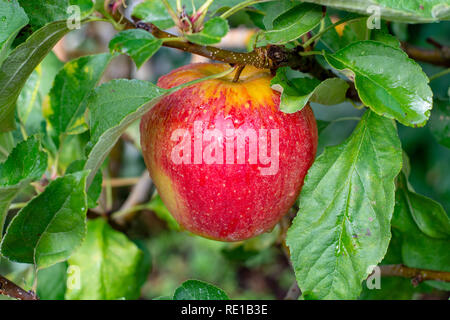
pixel 51 226
pixel 387 81
pixel 346 186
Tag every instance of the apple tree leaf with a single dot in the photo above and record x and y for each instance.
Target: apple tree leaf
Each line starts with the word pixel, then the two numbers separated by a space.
pixel 139 44
pixel 51 226
pixel 342 229
pixel 52 282
pixel 29 103
pixel 440 121
pixel 199 290
pixel 387 81
pixel 422 228
pixel 273 9
pixel 42 12
pixel 18 66
pixel 296 92
pixel 86 7
pixel 213 31
pixel 71 88
pixel 294 23
pixel 6 145
pixel 95 189
pixel 25 163
pixel 411 11
pixel 13 18
pixel 109 265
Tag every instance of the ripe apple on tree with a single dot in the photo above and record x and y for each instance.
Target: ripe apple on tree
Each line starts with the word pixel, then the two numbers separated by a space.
pixel 226 161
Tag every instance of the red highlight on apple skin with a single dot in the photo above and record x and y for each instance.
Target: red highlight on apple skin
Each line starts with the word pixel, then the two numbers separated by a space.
pixel 228 200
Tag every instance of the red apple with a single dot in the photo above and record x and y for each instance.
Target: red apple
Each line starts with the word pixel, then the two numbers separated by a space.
pixel 226 161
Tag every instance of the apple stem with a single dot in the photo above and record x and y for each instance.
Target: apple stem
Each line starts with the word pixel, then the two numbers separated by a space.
pixel 238 73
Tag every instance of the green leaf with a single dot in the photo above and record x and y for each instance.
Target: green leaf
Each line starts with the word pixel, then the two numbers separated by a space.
pixel 29 103
pixel 420 212
pixel 50 67
pixel 342 228
pixel 117 104
pixel 220 6
pixel 427 215
pixel 330 39
pixel 12 19
pixel 25 163
pixel 155 12
pixel 440 121
pixel 139 44
pixel 6 145
pixel 387 81
pixel 213 31
pixel 330 91
pixel 273 9
pixel 199 290
pixel 51 226
pixel 423 228
pixel 392 288
pixel 52 282
pixel 86 6
pixel 296 92
pixel 113 107
pixel 386 38
pixel 94 190
pixel 355 30
pixel 294 23
pixel 411 11
pixel 68 97
pixel 20 64
pixel 108 264
pixel 43 12
pixel 322 125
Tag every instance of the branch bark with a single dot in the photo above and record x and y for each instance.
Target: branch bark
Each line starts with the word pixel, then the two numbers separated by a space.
pixel 270 57
pixel 138 194
pixel 393 270
pixel 416 275
pixel 439 56
pixel 294 292
pixel 12 290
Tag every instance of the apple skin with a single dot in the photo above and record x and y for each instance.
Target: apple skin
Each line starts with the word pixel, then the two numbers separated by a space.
pixel 227 202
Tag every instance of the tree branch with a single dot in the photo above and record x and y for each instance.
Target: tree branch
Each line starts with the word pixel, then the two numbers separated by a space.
pixel 12 290
pixel 439 56
pixel 294 292
pixel 138 194
pixel 417 275
pixel 393 270
pixel 269 57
